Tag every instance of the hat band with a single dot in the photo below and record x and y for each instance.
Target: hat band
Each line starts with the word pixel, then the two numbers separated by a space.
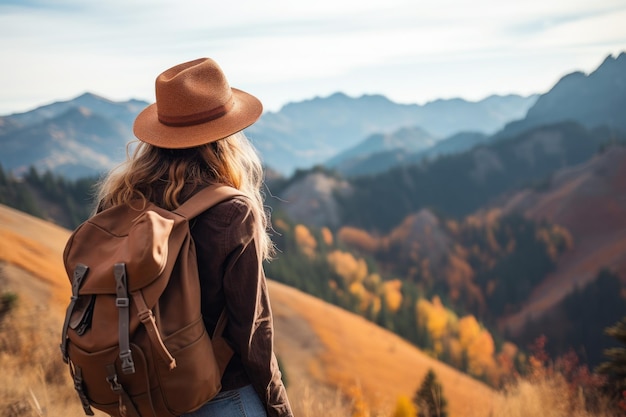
pixel 198 118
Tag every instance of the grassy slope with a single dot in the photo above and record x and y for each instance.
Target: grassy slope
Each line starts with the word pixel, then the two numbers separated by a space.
pixel 327 353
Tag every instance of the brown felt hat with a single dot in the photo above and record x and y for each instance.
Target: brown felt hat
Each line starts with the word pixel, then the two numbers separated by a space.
pixel 195 105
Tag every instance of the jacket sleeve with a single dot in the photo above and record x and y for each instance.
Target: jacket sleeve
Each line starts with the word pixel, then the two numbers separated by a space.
pixel 250 326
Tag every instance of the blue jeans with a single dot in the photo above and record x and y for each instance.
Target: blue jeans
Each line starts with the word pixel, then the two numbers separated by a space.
pixel 242 402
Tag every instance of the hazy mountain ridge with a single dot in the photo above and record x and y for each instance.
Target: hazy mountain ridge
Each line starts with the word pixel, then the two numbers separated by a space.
pixel 82 137
pixel 300 135
pixel 122 111
pixel 311 132
pixel 373 163
pixel 593 100
pixel 405 140
pixel 314 131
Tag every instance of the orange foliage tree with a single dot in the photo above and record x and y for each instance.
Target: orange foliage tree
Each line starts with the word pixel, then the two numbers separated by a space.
pixel 358 238
pixel 305 240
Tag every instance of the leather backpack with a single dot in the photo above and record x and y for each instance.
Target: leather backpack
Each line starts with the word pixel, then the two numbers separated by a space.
pixel 133 335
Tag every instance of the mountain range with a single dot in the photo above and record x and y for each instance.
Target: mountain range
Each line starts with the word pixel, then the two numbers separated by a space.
pixel 355 136
pixel 595 99
pixel 88 135
pixel 81 137
pixel 312 132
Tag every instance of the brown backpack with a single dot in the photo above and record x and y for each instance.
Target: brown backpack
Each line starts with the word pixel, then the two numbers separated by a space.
pixel 133 335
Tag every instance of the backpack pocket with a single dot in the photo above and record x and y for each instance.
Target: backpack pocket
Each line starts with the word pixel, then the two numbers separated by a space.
pixel 196 366
pixel 105 374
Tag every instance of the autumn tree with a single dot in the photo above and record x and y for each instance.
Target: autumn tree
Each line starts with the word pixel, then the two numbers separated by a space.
pixel 429 399
pixel 358 238
pixel 305 240
pixel 478 346
pixel 404 407
pixel 436 320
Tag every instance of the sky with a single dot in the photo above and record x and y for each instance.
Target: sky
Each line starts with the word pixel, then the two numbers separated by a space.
pixel 411 51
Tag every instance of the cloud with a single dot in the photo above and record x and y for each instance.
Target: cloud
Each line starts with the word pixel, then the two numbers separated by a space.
pixel 117 47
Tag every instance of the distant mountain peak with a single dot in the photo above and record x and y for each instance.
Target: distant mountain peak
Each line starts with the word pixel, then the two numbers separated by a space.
pixel 89 98
pixel 89 95
pixel 339 95
pixel 594 99
pixel 621 57
pixel 611 65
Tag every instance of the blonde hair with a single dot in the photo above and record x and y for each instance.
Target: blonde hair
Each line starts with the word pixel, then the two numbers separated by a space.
pixel 165 176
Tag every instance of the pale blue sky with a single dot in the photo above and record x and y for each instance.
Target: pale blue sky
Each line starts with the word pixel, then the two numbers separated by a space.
pixel 411 51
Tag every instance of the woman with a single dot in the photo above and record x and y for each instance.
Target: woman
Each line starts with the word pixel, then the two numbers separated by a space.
pixel 190 138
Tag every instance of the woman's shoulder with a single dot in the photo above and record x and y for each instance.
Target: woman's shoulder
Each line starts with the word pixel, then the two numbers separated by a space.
pixel 229 210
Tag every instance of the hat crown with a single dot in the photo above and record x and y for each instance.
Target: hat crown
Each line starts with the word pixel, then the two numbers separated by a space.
pixel 191 93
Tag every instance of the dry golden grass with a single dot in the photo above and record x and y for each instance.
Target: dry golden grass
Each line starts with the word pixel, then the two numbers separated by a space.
pixel 35 381
pixel 548 396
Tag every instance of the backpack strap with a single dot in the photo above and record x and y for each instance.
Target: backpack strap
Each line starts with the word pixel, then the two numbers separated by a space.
pixel 122 302
pixel 206 198
pixel 196 204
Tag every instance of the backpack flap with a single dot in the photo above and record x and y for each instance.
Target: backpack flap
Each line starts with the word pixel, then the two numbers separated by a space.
pixel 142 247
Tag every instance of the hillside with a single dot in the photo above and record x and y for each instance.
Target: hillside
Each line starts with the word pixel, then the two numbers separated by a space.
pixel 323 348
pixel 589 201
pixel 455 185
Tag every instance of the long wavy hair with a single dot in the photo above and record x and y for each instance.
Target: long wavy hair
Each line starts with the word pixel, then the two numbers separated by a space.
pixel 167 177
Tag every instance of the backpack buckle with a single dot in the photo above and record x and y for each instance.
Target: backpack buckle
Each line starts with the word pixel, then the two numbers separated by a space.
pixel 115 385
pixel 122 302
pixel 128 366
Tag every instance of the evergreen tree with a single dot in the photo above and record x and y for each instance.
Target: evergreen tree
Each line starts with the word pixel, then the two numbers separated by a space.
pixel 429 399
pixel 615 367
pixel 3 176
pixel 385 317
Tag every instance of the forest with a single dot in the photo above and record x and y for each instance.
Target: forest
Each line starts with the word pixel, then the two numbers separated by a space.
pixel 446 303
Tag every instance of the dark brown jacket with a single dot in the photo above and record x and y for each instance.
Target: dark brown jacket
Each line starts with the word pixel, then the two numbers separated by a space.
pixel 232 276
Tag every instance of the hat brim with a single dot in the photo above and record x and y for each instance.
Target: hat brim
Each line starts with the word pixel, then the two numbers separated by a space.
pixel 245 111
